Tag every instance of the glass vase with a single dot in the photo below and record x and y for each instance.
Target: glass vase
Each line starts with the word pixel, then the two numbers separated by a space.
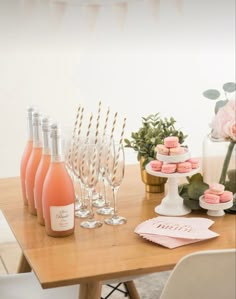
pixel 219 162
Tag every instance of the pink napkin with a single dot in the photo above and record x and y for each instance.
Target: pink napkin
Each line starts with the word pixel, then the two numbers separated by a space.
pixel 173 232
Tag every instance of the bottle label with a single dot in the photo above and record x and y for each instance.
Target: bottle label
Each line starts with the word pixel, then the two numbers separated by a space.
pixel 62 217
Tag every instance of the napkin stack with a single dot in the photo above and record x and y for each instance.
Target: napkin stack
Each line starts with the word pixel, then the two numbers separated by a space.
pixel 173 232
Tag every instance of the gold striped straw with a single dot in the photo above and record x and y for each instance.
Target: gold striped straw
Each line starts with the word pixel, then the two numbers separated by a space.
pixel 76 142
pixel 119 150
pixel 111 137
pixel 97 123
pixel 71 148
pixel 95 142
pixel 104 133
pixel 87 137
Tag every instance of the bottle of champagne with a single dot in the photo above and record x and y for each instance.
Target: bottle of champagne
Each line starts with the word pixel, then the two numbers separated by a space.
pixel 27 153
pixel 42 170
pixel 58 192
pixel 33 163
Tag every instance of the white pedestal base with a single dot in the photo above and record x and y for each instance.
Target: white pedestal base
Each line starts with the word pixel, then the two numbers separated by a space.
pixel 172 204
pixel 215 210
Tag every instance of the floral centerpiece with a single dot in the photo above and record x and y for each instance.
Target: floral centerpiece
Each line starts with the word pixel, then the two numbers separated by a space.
pixel 223 132
pixel 223 129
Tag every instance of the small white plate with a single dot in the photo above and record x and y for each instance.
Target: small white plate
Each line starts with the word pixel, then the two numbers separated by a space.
pixel 173 159
pixel 215 209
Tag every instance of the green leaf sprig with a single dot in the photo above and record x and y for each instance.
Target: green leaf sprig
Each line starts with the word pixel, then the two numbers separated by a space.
pixel 153 131
pixel 214 94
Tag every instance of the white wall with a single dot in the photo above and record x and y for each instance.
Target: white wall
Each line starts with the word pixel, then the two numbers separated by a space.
pixel 138 57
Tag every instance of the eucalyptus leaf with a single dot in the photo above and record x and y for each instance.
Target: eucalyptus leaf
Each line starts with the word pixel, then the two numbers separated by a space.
pixel 196 189
pixel 196 178
pixel 229 87
pixel 192 204
pixel 183 189
pixel 212 94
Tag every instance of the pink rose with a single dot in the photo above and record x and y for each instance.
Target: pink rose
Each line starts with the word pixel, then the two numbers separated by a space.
pixel 230 129
pixel 224 123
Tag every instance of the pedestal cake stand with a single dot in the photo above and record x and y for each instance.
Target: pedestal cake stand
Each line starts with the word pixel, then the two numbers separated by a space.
pixel 172 204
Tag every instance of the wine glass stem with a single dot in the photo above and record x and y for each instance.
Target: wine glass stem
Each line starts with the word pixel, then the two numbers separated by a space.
pixel 115 191
pixel 90 195
pixel 82 190
pixel 105 191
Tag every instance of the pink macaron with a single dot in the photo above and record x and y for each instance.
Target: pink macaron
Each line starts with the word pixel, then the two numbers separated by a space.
pixel 171 141
pixel 194 162
pixel 226 196
pixel 168 168
pixel 179 150
pixel 162 149
pixel 211 198
pixel 184 167
pixel 217 188
pixel 156 165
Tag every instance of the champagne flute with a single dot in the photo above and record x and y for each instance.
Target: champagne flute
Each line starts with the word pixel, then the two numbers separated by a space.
pixel 107 209
pixel 82 211
pixel 69 156
pixel 115 168
pixel 89 169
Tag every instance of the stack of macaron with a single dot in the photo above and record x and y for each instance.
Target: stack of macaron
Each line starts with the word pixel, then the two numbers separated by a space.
pixel 172 147
pixel 216 194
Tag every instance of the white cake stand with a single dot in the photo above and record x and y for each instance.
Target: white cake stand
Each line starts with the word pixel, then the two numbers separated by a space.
pixel 172 204
pixel 216 209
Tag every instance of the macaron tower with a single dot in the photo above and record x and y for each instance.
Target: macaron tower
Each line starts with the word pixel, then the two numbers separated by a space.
pixel 173 158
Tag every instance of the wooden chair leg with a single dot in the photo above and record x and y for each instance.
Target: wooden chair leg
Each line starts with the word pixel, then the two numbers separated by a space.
pixel 131 288
pixel 90 290
pixel 23 266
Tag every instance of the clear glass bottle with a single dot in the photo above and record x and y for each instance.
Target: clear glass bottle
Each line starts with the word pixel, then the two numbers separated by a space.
pixel 33 163
pixel 42 170
pixel 219 162
pixel 58 192
pixel 26 153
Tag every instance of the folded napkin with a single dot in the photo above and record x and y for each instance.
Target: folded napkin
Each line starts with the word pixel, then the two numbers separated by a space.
pixel 173 232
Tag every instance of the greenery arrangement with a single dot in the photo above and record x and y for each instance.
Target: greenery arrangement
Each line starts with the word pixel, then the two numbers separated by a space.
pixel 191 191
pixel 152 132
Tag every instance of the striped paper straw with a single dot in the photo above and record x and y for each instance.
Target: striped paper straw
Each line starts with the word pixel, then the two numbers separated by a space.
pixel 111 137
pixel 104 133
pixel 87 138
pixel 119 150
pixel 73 136
pixel 76 142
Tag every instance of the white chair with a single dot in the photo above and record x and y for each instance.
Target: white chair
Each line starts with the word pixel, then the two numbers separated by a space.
pixel 203 275
pixel 26 286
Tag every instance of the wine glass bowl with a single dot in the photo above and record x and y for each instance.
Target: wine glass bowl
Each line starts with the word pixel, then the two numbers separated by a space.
pixel 89 170
pixel 106 209
pixel 114 172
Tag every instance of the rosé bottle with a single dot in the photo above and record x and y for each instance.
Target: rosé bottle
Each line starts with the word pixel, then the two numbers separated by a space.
pixel 26 154
pixel 33 163
pixel 42 171
pixel 58 192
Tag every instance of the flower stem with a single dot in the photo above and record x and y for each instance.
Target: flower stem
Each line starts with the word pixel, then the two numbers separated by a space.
pixel 226 162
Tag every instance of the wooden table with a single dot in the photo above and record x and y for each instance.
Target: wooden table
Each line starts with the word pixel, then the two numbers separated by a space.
pixel 91 256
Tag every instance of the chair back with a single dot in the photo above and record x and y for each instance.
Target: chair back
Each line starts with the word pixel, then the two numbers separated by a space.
pixel 203 275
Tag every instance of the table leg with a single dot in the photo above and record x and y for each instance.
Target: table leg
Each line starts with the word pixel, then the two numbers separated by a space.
pixel 23 266
pixel 90 290
pixel 131 288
